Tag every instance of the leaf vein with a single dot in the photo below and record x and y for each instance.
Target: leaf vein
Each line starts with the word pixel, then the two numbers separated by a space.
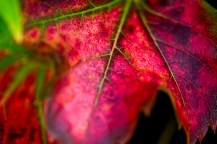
pixel 80 13
pixel 144 21
pixel 126 10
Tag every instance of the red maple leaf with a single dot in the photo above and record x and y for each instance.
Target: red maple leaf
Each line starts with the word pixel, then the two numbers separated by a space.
pixel 120 53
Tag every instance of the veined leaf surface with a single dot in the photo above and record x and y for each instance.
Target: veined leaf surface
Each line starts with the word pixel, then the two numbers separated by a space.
pixel 120 54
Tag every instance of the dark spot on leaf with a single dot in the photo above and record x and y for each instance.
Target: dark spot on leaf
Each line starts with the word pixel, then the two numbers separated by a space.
pixel 181 35
pixel 192 68
pixel 1 131
pixel 23 94
pixel 131 29
pixel 103 32
pixel 32 135
pixel 34 34
pixel 158 2
pixel 77 44
pixel 64 37
pixel 176 12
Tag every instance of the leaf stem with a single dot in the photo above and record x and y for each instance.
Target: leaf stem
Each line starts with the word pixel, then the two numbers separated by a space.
pixel 41 121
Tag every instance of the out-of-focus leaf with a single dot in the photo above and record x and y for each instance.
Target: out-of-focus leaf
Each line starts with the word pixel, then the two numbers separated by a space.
pixel 6 41
pixel 4 32
pixel 40 81
pixel 18 78
pixel 42 122
pixel 7 61
pixel 11 14
pixel 14 48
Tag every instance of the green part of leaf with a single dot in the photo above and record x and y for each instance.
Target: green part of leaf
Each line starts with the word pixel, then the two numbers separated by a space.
pixel 18 78
pixel 7 61
pixel 42 122
pixel 47 88
pixel 39 82
pixel 11 14
pixel 4 32
pixel 39 94
pixel 6 41
pixel 14 49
